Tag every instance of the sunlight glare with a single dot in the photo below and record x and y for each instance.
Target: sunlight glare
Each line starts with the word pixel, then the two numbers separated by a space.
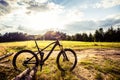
pixel 44 21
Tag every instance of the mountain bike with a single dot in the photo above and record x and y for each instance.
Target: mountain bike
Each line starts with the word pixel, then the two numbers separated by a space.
pixel 66 58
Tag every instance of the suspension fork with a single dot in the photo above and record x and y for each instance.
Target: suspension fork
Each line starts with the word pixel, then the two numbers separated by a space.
pixel 65 56
pixel 63 53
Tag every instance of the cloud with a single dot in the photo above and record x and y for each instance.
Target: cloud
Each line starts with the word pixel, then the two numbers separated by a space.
pixel 4 26
pixel 4 7
pixel 69 28
pixel 7 26
pixel 7 30
pixel 39 5
pixel 21 28
pixel 91 25
pixel 85 4
pixel 107 3
pixel 109 22
pixel 4 3
pixel 81 26
pixel 29 31
pixel 74 14
pixel 36 16
pixel 36 6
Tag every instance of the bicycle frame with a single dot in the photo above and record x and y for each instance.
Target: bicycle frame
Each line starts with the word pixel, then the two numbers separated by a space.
pixel 40 61
pixel 56 43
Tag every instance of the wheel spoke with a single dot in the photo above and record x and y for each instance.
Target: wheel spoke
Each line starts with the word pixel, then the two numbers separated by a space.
pixel 23 60
pixel 67 60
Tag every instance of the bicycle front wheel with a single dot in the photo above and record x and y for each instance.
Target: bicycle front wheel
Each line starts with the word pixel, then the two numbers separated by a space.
pixel 66 60
pixel 25 59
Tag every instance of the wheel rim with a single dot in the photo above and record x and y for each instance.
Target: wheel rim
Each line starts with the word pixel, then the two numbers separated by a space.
pixel 67 65
pixel 21 61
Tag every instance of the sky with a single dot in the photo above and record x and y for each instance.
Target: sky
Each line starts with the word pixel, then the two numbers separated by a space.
pixel 69 16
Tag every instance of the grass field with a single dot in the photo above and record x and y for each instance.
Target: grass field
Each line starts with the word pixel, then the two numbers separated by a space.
pixel 76 45
pixel 96 60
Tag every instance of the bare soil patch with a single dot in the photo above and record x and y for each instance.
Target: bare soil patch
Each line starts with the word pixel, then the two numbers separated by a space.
pixel 93 64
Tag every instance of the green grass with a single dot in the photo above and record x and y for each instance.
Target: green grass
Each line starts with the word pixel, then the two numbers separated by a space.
pixel 108 67
pixel 98 76
pixel 76 45
pixel 100 66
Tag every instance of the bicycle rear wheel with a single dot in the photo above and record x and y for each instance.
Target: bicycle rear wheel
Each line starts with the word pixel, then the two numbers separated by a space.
pixel 66 60
pixel 25 59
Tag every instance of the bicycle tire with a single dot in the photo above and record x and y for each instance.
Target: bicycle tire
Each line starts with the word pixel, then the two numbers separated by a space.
pixel 14 62
pixel 60 55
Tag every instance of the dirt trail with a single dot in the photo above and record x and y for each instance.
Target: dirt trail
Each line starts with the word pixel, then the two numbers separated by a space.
pixel 81 72
pixel 98 54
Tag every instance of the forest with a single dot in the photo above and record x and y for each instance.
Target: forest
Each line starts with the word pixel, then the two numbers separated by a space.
pixel 100 35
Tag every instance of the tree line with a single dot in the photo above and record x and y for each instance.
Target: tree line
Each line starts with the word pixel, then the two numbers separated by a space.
pixel 110 35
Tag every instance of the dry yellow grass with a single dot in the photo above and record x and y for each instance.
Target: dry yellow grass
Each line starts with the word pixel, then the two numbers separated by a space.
pixel 94 60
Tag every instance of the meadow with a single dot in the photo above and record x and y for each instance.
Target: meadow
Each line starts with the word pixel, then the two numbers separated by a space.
pixel 76 45
pixel 96 60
